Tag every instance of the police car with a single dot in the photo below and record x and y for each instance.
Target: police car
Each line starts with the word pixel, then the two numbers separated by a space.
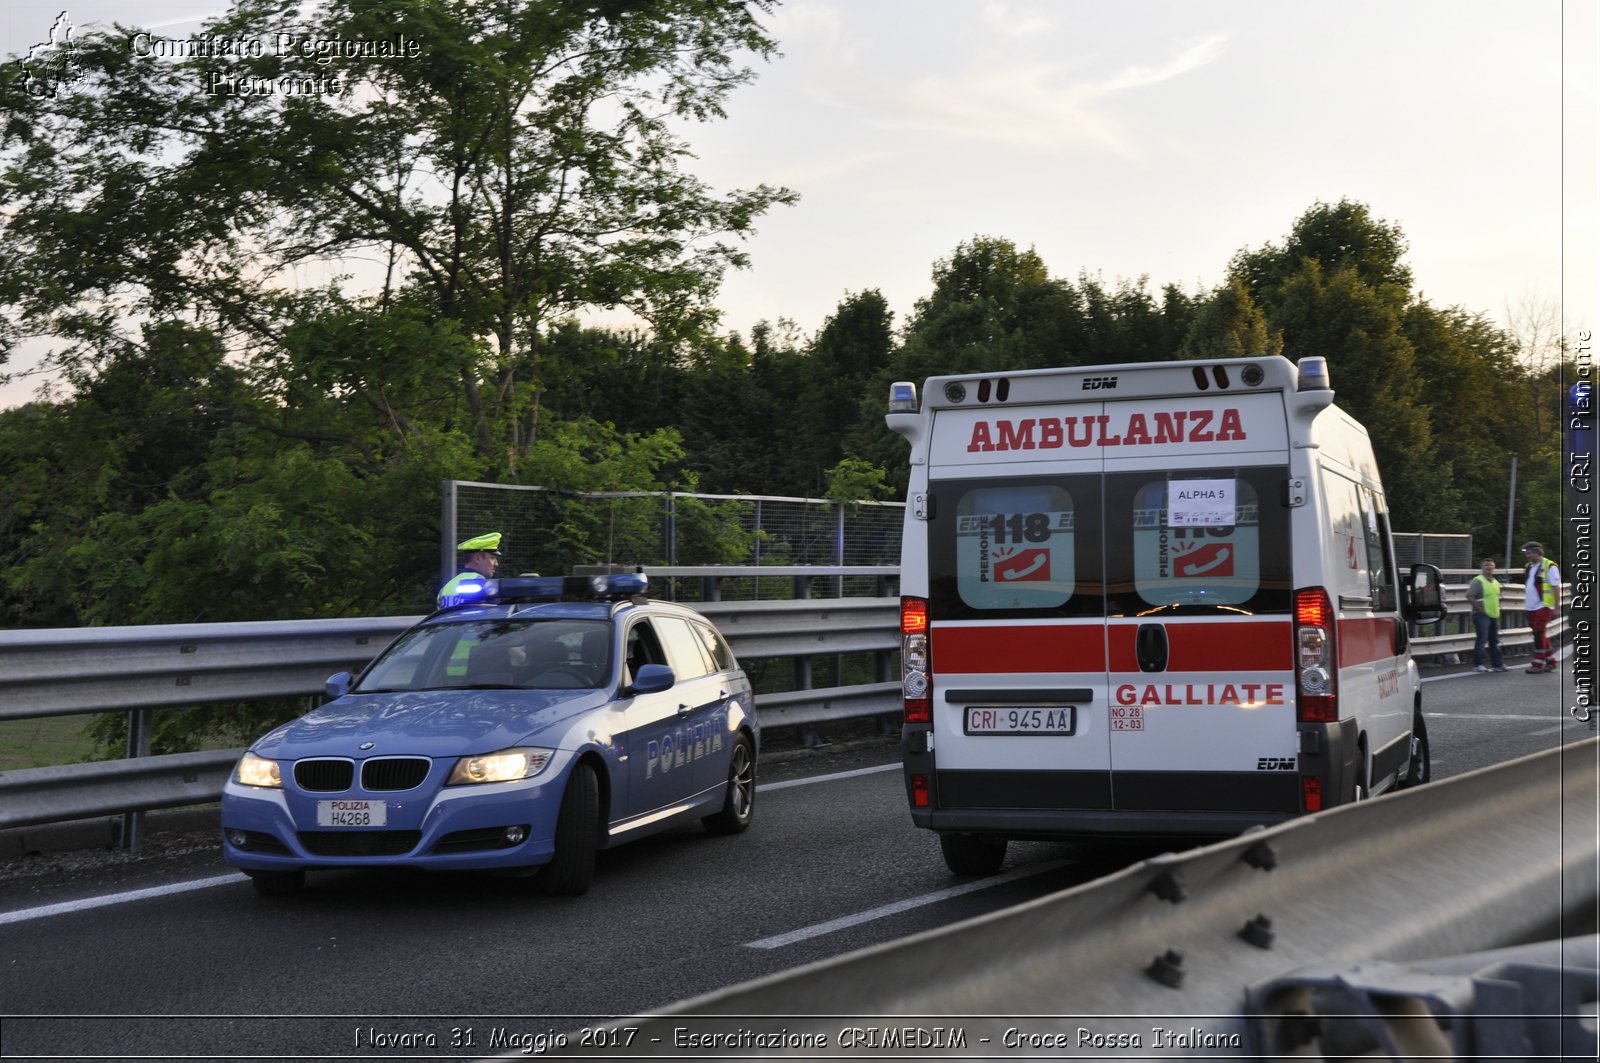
pixel 539 721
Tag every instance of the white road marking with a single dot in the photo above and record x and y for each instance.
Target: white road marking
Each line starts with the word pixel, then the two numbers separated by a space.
pixel 883 911
pixel 785 784
pixel 67 907
pixel 1544 716
pixel 26 914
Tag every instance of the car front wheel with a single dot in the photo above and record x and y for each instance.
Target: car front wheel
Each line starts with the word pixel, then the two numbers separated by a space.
pixel 739 806
pixel 1421 768
pixel 571 871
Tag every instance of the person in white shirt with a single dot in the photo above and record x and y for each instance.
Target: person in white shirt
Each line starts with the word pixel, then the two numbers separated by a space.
pixel 1543 584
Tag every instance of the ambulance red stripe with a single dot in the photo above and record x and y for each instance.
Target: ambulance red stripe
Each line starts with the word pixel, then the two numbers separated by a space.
pixel 1024 649
pixel 1365 641
pixel 1207 646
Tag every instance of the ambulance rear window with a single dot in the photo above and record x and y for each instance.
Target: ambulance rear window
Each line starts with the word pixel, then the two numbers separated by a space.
pixel 1020 547
pixel 1197 541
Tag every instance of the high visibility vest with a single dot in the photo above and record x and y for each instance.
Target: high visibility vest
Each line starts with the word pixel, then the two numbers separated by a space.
pixel 1491 596
pixel 448 593
pixel 1546 592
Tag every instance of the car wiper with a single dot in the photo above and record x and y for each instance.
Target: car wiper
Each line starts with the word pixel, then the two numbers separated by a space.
pixel 485 686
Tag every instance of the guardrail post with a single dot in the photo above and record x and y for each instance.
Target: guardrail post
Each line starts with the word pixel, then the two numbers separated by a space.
pixel 140 722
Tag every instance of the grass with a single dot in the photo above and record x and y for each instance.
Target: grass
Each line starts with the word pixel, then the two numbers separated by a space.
pixel 44 742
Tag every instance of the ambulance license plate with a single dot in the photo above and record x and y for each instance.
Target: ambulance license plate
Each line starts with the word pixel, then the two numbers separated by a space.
pixel 1034 720
pixel 352 813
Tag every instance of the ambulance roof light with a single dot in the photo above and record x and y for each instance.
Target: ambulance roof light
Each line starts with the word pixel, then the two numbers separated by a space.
pixel 1314 374
pixel 902 397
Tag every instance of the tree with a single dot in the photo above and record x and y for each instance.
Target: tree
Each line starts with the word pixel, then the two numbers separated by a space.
pixel 514 162
pixel 1230 325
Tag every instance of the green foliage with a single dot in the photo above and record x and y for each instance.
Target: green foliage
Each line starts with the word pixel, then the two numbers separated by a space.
pixel 238 445
pixel 854 480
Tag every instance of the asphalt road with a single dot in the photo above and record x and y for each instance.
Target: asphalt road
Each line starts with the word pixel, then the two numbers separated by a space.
pixel 170 953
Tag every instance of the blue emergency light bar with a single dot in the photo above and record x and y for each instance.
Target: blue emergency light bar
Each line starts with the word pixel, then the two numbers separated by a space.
pixel 551 589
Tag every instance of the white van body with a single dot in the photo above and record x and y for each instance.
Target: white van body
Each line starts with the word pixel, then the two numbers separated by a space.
pixel 1148 599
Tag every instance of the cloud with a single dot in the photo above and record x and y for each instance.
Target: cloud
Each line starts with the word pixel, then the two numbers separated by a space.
pixel 1003 20
pixel 1031 105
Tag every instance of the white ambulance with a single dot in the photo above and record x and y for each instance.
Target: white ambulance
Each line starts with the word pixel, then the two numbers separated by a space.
pixel 1156 599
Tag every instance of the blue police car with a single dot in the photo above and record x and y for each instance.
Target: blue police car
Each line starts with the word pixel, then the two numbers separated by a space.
pixel 536 721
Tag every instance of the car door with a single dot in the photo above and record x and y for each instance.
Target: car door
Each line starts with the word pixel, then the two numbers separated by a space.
pixel 702 704
pixel 653 727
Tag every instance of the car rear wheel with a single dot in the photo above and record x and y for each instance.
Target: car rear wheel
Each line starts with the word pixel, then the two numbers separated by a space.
pixel 577 836
pixel 739 806
pixel 973 854
pixel 276 883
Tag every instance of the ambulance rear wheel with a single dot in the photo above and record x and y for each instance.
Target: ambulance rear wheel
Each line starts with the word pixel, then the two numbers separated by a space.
pixel 973 854
pixel 1421 769
pixel 569 873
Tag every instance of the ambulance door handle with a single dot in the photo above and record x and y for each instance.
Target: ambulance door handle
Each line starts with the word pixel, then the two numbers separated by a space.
pixel 1150 644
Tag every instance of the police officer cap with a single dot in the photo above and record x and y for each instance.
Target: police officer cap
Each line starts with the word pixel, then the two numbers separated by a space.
pixel 488 543
pixel 1535 547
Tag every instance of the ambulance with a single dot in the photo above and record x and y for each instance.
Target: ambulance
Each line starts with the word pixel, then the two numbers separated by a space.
pixel 1154 599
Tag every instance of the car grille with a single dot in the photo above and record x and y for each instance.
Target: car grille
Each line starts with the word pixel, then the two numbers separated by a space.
pixel 384 774
pixel 394 773
pixel 360 843
pixel 324 776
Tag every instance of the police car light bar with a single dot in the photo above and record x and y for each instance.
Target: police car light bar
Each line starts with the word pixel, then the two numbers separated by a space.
pixel 553 589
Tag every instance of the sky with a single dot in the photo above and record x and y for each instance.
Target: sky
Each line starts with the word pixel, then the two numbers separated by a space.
pixel 1153 138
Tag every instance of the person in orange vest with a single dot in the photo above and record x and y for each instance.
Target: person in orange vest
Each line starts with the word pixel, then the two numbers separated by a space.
pixel 1544 592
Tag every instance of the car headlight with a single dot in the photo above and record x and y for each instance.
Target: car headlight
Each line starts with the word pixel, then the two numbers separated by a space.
pixel 505 766
pixel 258 771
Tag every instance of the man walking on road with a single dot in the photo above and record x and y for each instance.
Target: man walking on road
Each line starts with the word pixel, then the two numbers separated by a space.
pixel 1483 594
pixel 1544 591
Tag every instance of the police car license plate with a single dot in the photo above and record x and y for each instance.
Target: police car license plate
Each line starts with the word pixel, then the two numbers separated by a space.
pixel 352 813
pixel 1034 720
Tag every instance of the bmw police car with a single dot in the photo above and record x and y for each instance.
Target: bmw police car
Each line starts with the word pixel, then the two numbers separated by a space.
pixel 538 721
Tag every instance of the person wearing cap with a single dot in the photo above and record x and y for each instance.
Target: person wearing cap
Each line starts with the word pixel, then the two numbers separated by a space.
pixel 1483 594
pixel 1544 591
pixel 480 560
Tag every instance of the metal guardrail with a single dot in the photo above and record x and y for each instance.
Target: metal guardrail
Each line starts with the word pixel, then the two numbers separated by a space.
pixel 1217 946
pixel 87 670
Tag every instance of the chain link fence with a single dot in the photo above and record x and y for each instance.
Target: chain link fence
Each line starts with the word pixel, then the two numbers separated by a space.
pixel 1443 551
pixel 550 532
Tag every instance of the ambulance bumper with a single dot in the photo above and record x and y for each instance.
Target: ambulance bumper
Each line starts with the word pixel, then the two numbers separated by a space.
pixel 1051 824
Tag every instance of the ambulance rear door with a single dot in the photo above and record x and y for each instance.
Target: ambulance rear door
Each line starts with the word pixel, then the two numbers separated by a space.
pixel 1017 624
pixel 1198 592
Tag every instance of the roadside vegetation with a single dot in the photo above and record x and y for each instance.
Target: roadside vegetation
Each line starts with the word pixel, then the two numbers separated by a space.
pixel 282 320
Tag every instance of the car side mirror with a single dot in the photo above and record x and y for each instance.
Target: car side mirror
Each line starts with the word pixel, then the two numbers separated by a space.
pixel 337 685
pixel 1424 595
pixel 652 679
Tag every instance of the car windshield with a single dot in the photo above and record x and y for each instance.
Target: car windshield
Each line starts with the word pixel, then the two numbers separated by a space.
pixel 515 653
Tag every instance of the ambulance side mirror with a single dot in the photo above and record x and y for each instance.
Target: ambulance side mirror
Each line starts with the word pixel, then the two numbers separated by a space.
pixel 1424 595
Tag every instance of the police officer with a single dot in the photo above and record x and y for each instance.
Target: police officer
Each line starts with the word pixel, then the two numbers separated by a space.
pixel 480 560
pixel 1544 591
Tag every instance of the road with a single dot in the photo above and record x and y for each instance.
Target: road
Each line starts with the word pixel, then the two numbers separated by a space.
pixel 180 948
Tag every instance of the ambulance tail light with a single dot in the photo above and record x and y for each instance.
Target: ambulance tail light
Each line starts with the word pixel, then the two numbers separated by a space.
pixel 1311 787
pixel 1315 657
pixel 916 672
pixel 919 791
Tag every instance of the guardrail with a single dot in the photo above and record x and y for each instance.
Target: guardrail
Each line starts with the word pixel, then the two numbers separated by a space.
pixel 144 669
pixel 1260 947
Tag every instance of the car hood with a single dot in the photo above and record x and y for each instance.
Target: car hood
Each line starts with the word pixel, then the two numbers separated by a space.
pixel 432 723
